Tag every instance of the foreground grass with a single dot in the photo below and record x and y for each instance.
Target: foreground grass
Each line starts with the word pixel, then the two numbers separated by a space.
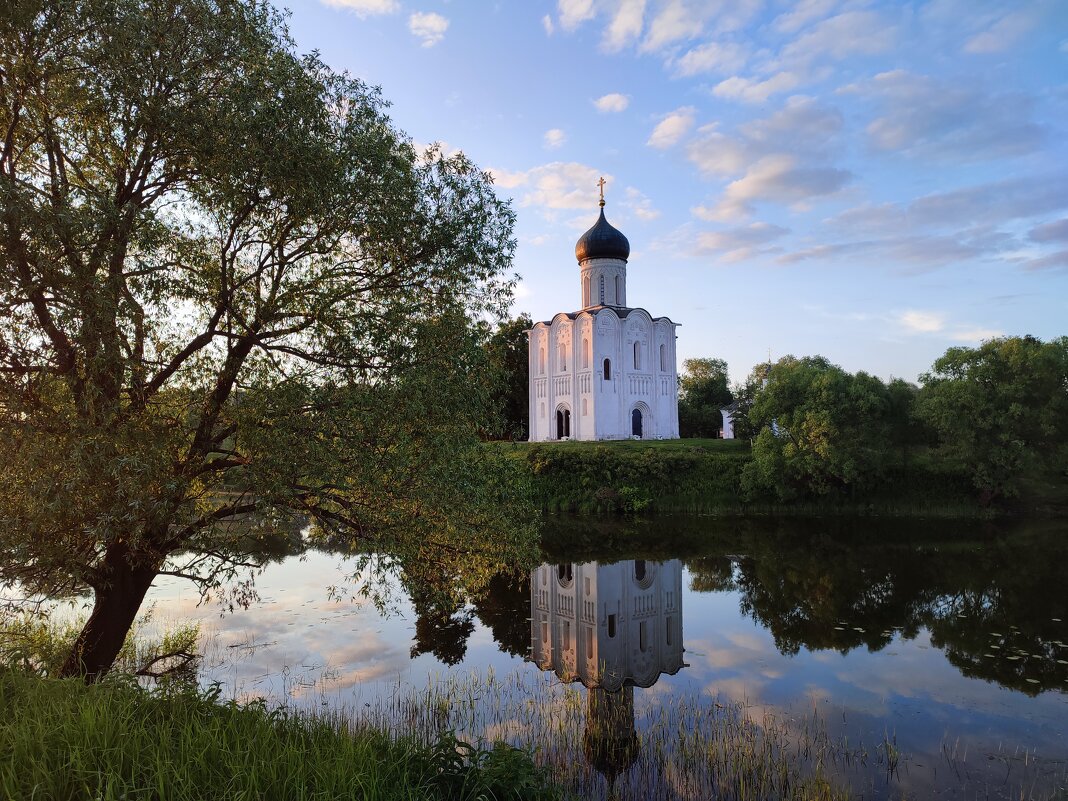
pixel 62 740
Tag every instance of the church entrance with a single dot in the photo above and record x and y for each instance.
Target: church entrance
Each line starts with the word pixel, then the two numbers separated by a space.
pixel 636 422
pixel 563 422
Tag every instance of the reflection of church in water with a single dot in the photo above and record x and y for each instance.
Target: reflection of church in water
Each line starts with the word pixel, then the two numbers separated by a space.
pixel 613 627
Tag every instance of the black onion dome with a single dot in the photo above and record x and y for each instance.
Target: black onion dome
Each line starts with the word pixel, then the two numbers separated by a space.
pixel 602 242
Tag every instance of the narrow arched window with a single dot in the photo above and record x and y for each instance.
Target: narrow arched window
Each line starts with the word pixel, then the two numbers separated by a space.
pixel 586 291
pixel 619 291
pixel 541 361
pixel 562 361
pixel 607 370
pixel 663 358
pixel 637 356
pixel 585 354
pixel 601 284
pixel 585 408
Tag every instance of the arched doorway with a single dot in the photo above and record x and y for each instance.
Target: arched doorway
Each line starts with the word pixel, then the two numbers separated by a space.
pixel 563 422
pixel 636 422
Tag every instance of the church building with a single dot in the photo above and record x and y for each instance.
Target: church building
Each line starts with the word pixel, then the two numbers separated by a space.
pixel 608 370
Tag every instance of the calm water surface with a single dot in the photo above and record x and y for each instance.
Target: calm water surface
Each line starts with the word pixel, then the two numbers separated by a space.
pixel 950 642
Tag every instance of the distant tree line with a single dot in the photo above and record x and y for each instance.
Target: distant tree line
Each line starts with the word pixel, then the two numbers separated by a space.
pixel 1000 411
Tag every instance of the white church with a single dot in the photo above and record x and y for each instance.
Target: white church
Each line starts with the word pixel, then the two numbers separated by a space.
pixel 608 370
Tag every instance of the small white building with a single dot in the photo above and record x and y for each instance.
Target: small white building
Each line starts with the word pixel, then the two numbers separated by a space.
pixel 608 370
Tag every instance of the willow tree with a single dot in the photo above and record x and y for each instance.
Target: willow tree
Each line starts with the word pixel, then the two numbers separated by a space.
pixel 232 291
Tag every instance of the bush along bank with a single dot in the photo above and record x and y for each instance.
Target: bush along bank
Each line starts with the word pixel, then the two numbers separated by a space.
pixel 707 478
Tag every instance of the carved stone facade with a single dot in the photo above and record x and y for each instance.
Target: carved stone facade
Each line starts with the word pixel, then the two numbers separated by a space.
pixel 609 370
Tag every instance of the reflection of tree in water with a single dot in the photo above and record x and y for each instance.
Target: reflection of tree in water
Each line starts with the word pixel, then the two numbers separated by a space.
pixel 991 604
pixel 1005 619
pixel 504 607
pixel 442 627
pixel 820 594
pixel 443 624
pixel 828 586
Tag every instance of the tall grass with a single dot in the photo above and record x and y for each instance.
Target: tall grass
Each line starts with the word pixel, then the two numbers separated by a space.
pixel 695 747
pixel 62 740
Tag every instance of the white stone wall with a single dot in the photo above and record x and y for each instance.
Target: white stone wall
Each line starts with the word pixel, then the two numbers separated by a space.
pixel 614 275
pixel 600 408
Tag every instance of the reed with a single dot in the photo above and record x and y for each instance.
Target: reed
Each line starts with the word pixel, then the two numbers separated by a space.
pixel 697 746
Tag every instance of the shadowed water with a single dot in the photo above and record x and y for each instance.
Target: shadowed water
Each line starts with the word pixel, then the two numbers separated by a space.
pixel 902 659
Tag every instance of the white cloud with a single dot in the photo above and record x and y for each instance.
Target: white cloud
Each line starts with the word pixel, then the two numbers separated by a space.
pixel 1003 34
pixel 365 8
pixel 717 154
pixel 738 244
pixel 750 90
pixel 558 185
pixel 674 22
pixel 992 204
pixel 626 25
pixel 722 57
pixel 920 116
pixel 996 202
pixel 573 13
pixel 975 335
pixel 802 125
pixel 506 179
pixel 921 322
pixel 443 149
pixel 639 205
pixel 672 128
pixel 918 252
pixel 611 103
pixel 554 138
pixel 841 36
pixel 1056 260
pixel 1050 232
pixel 778 178
pixel 802 14
pixel 428 26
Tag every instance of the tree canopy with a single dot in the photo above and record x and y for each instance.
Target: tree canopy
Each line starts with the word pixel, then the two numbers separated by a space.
pixel 232 291
pixel 509 374
pixel 703 393
pixel 821 428
pixel 1002 408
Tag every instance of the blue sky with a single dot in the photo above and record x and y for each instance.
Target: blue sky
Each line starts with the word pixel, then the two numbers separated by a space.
pixel 872 182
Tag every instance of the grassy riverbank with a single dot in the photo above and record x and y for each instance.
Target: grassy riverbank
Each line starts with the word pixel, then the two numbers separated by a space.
pixel 704 476
pixel 62 740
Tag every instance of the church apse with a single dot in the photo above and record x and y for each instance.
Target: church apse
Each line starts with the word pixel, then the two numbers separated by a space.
pixel 612 627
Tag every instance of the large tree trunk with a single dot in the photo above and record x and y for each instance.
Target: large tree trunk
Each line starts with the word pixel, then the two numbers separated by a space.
pixel 117 601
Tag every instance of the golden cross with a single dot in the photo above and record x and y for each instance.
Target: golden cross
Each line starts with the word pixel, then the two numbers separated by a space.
pixel 601 184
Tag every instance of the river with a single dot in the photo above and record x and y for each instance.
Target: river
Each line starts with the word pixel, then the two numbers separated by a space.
pixel 899 658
